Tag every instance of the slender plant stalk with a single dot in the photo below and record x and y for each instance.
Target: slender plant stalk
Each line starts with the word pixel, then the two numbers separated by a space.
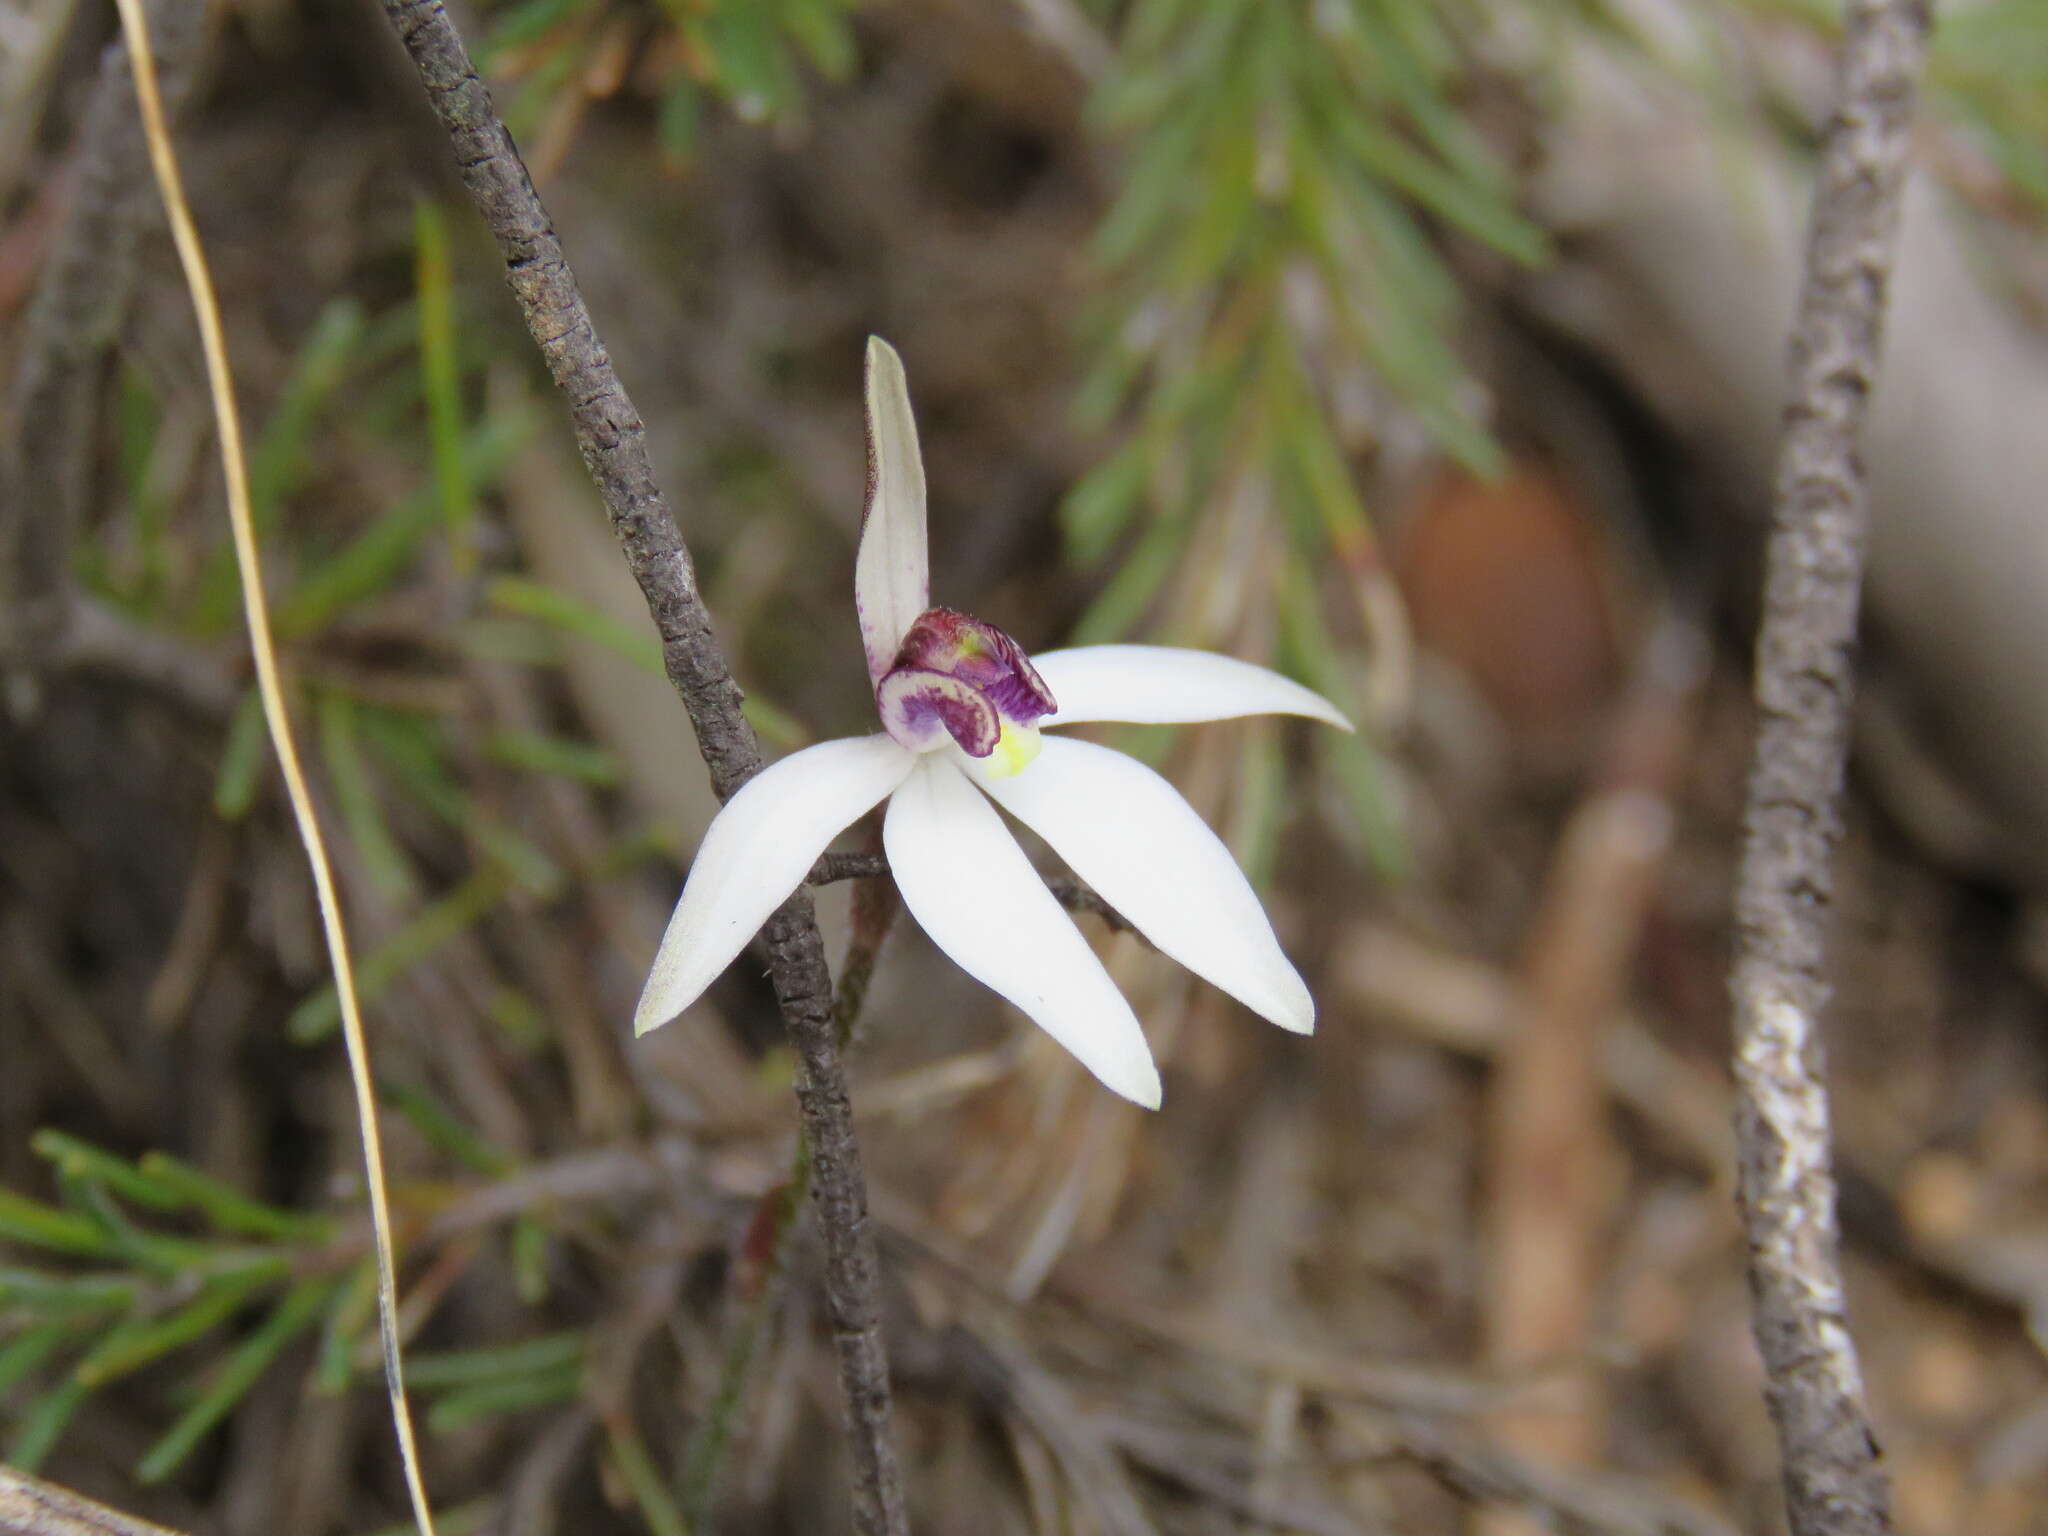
pixel 234 470
pixel 1834 1482
pixel 613 443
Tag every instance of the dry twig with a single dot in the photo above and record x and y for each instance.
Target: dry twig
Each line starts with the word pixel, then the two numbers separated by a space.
pixel 1804 680
pixel 613 444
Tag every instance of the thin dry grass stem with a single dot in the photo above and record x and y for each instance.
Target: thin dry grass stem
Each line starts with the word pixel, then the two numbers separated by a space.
pixel 1573 1502
pixel 1090 1173
pixel 1463 1004
pixel 533 1501
pixel 177 981
pixel 1223 1474
pixel 1251 1278
pixel 1006 1375
pixel 97 638
pixel 206 308
pixel 1328 1374
pixel 1552 1162
pixel 921 1090
pixel 79 1033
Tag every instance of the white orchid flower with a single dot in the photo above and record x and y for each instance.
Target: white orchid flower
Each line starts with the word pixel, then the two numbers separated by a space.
pixel 961 707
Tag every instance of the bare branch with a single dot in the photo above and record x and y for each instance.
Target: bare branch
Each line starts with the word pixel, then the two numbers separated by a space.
pixel 613 443
pixel 1834 1485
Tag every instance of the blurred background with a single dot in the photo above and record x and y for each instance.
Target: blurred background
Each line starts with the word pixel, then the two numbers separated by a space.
pixel 1431 353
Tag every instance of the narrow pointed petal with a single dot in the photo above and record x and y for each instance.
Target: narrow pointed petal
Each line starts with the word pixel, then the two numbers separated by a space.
pixel 1163 685
pixel 892 573
pixel 757 851
pixel 972 890
pixel 1128 833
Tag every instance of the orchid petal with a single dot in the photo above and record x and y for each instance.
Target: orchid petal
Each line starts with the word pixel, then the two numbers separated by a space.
pixel 1130 835
pixel 969 886
pixel 1163 685
pixel 892 572
pixel 755 853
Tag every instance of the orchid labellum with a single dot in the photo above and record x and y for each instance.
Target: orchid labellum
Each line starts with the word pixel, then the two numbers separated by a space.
pixel 962 708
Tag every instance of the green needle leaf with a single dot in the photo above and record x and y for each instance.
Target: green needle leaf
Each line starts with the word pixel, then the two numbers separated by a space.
pixel 299 1310
pixel 30 1222
pixel 229 1209
pixel 132 1347
pixel 497 1363
pixel 490 1400
pixel 441 380
pixel 20 1356
pixel 44 1423
pixel 82 1160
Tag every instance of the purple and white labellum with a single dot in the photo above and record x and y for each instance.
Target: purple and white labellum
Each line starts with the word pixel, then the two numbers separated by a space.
pixel 981 655
pixel 954 676
pixel 922 709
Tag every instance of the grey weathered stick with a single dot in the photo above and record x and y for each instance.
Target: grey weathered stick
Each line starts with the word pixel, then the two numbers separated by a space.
pixel 31 1507
pixel 613 443
pixel 1834 1482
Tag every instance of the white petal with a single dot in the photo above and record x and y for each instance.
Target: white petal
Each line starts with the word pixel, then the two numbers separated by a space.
pixel 755 853
pixel 1127 832
pixel 969 886
pixel 892 573
pixel 1163 685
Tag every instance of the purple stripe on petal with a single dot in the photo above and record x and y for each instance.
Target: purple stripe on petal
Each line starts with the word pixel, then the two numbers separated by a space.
pixel 1022 697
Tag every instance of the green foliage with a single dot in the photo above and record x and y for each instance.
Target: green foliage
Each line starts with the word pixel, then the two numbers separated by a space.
pixel 394 387
pixel 1282 163
pixel 295 1312
pixel 438 923
pixel 1291 174
pixel 1989 73
pixel 1987 77
pixel 529 599
pixel 100 1298
pixel 146 1294
pixel 636 1469
pixel 748 55
pixel 441 378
